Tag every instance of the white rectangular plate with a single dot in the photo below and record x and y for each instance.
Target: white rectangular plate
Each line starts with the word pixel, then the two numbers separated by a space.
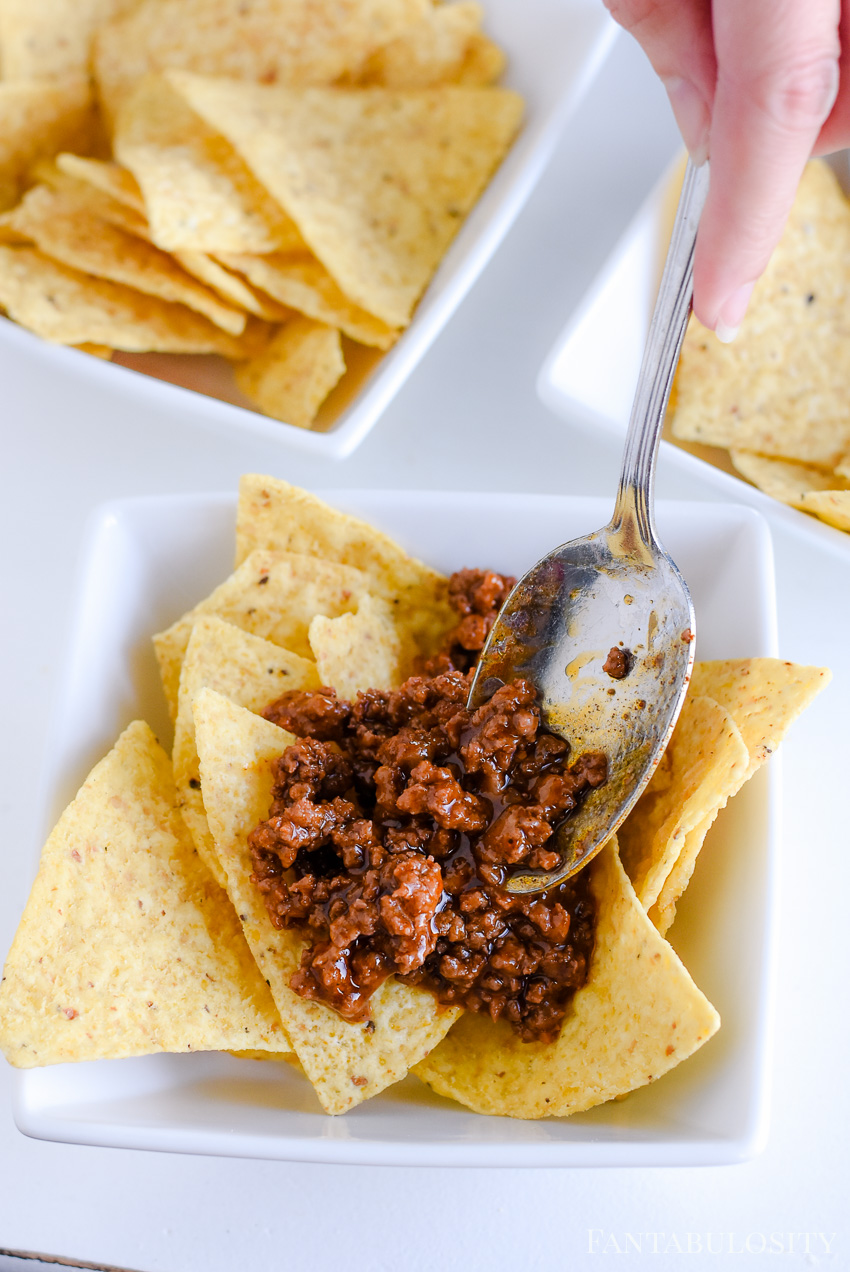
pixel 590 375
pixel 555 48
pixel 146 562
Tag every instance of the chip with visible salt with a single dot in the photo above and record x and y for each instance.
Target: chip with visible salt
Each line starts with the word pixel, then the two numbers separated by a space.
pixel 127 946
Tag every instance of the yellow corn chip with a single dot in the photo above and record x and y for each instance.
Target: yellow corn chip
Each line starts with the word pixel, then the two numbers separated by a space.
pixel 842 469
pixel 45 39
pixel 764 696
pixel 294 374
pixel 249 671
pixel 109 178
pixel 127 946
pixel 484 63
pixel 346 1063
pixel 301 282
pixel 638 1016
pixel 832 506
pixel 359 651
pixel 708 762
pixel 231 287
pixel 781 387
pixel 430 51
pixel 377 181
pixel 199 194
pixel 782 479
pixel 67 232
pixel 96 351
pixel 272 514
pixel 37 118
pixel 88 195
pixel 272 594
pixel 269 42
pixel 67 307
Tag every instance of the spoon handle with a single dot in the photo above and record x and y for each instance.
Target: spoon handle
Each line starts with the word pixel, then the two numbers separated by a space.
pixel 633 521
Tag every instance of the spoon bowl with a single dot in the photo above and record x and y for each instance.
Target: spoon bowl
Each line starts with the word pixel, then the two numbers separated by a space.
pixel 614 590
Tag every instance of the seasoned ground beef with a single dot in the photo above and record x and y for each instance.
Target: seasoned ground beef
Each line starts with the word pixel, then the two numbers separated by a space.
pixel 618 664
pixel 395 822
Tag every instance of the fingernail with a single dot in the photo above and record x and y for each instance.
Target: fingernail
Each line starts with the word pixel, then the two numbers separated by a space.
pixel 692 116
pixel 732 314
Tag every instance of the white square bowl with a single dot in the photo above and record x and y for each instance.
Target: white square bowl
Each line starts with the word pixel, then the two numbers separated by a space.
pixel 145 562
pixel 555 48
pixel 590 375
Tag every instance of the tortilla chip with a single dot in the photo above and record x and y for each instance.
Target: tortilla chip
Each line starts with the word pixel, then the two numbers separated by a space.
pixel 67 307
pixel 782 479
pixel 763 695
pixel 359 651
pixel 127 946
pixel 377 181
pixel 272 594
pixel 638 1016
pixel 484 63
pixel 274 42
pixel 231 287
pixel 346 1063
pixel 110 178
pixel 67 232
pixel 781 387
pixel 51 38
pixel 89 195
pixel 301 282
pixel 272 514
pixel 249 671
pixel 842 469
pixel 37 118
pixel 832 506
pixel 294 374
pixel 428 52
pixel 96 351
pixel 199 195
pixel 663 912
pixel 708 762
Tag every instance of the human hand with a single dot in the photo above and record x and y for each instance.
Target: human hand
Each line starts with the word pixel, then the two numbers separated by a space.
pixel 759 86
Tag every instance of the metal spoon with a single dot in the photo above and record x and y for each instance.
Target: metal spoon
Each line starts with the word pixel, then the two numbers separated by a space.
pixel 615 588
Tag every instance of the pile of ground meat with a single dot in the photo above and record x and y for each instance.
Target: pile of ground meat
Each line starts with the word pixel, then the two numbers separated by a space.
pixel 395 822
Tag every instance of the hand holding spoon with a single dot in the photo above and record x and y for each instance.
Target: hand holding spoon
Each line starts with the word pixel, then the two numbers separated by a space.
pixel 614 589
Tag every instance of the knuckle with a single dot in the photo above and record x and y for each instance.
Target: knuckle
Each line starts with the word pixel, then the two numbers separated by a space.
pixel 800 96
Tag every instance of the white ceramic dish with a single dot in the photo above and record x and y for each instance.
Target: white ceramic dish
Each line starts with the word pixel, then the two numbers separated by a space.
pixel 590 374
pixel 555 48
pixel 145 562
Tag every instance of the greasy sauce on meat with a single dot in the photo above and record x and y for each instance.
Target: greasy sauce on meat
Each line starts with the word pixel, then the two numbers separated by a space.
pixel 395 821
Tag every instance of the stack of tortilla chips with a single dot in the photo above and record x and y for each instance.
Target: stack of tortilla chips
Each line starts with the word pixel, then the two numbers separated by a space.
pixel 778 397
pixel 144 932
pixel 271 182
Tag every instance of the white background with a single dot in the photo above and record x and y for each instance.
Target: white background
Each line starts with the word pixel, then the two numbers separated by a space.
pixel 67 446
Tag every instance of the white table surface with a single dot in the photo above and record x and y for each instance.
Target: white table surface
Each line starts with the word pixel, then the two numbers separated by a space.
pixel 64 449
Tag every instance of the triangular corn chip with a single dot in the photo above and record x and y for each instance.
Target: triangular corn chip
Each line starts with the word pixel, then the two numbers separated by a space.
pixel 781 387
pixel 231 287
pixel 832 506
pixel 248 670
pixel 37 118
pixel 68 307
pixel 110 178
pixel 638 1016
pixel 428 52
pixel 346 1062
pixel 296 371
pixel 783 479
pixel 270 42
pixel 377 181
pixel 272 594
pixel 51 38
pixel 67 232
pixel 273 514
pixel 359 651
pixel 705 763
pixel 127 946
pixel 199 194
pixel 301 282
